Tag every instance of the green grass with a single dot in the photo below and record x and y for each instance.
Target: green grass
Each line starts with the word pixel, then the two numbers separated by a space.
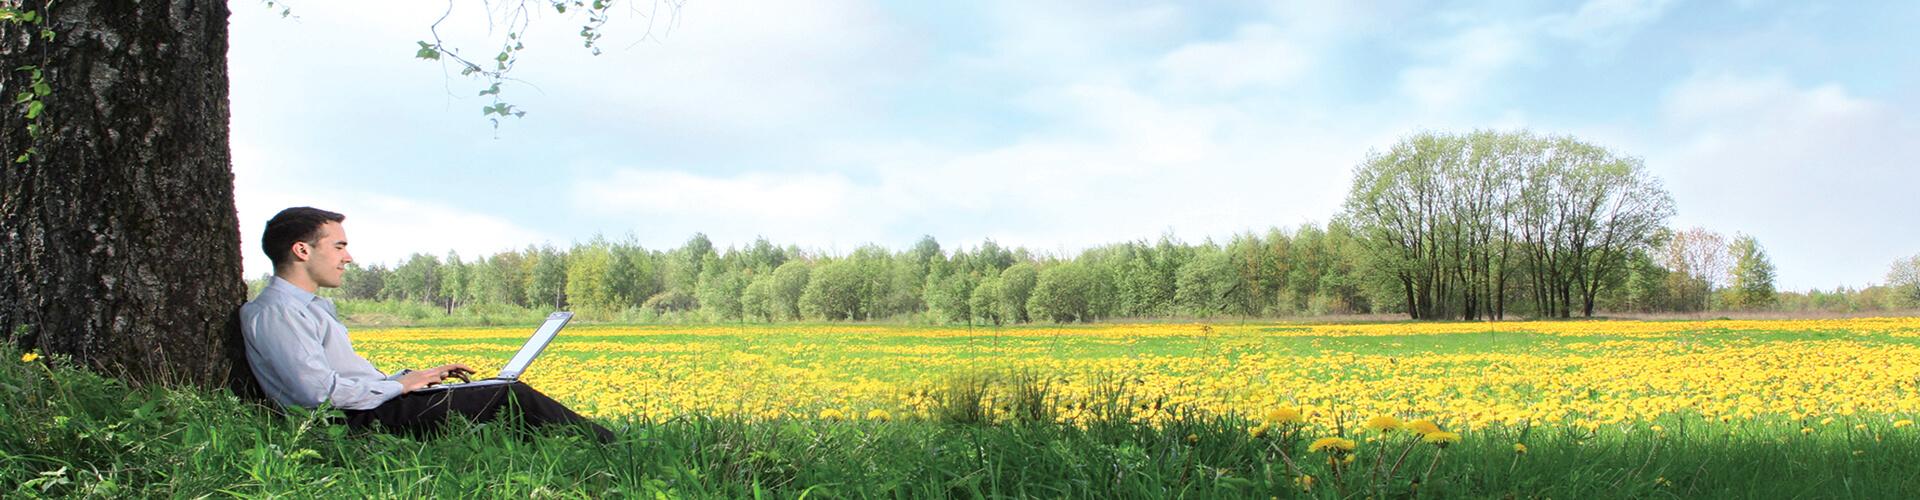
pixel 69 433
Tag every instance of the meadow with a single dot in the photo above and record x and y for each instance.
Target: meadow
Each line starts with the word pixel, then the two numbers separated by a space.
pixel 1581 374
pixel 1585 409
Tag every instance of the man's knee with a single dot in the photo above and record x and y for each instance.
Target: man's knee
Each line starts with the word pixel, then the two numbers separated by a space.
pixel 524 392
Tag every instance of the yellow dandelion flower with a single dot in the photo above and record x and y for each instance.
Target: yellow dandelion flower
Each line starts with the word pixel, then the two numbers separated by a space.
pixel 1826 421
pixel 1657 429
pixel 1859 427
pixel 1258 431
pixel 1423 426
pixel 1441 439
pixel 878 414
pixel 1193 438
pixel 1305 481
pixel 1519 448
pixel 1331 445
pixel 1283 415
pixel 1806 430
pixel 831 414
pixel 1902 423
pixel 1384 423
pixel 29 357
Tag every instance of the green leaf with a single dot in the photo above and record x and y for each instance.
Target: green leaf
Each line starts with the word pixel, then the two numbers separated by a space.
pixel 41 89
pixel 427 52
pixel 22 97
pixel 494 90
pixel 562 7
pixel 34 108
pixel 502 57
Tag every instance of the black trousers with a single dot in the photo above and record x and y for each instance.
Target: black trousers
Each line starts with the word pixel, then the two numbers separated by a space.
pixel 423 414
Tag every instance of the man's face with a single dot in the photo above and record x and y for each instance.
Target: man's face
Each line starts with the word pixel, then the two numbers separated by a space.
pixel 327 257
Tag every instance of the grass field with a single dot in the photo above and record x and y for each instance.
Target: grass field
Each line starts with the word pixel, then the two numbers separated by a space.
pixel 1721 409
pixel 1464 375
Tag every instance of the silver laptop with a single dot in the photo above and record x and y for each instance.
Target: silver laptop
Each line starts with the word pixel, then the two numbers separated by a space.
pixel 518 365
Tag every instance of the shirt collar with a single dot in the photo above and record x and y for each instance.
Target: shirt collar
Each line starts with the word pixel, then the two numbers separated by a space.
pixel 291 290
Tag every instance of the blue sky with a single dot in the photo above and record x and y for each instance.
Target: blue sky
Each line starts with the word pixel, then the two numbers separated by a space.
pixel 1061 125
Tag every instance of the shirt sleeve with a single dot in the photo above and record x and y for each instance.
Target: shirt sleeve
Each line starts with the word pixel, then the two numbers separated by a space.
pixel 285 342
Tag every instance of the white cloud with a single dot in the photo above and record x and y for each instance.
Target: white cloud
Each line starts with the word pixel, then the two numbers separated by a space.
pixel 741 69
pixel 1257 56
pixel 1607 23
pixel 1459 67
pixel 1806 169
pixel 383 229
pixel 821 210
pixel 1457 70
pixel 759 196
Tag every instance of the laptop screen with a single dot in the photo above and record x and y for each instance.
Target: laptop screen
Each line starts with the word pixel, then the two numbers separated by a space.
pixel 534 345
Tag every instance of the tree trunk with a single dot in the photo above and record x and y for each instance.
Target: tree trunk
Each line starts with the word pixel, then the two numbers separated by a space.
pixel 119 242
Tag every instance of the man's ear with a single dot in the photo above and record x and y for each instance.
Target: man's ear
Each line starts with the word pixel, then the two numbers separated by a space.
pixel 301 250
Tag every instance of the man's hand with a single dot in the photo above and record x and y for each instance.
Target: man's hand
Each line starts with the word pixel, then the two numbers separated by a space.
pixel 415 380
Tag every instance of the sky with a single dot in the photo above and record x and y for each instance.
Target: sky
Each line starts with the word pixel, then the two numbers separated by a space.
pixel 1059 125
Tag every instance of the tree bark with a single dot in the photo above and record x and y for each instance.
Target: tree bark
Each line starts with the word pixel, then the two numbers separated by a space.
pixel 119 242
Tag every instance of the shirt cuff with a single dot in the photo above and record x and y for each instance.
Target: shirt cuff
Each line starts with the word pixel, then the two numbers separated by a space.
pixel 396 375
pixel 386 389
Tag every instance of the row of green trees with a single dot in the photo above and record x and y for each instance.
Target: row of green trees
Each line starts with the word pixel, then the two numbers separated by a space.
pixel 1468 226
pixel 1308 270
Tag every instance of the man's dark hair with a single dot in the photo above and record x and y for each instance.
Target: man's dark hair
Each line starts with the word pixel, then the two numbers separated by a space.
pixel 291 225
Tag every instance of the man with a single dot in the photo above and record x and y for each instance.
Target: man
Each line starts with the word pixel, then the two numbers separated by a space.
pixel 301 355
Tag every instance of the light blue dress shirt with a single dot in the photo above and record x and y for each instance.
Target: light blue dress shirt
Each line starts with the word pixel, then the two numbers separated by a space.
pixel 300 353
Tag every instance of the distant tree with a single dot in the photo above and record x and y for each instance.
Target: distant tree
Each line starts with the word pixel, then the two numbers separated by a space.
pixel 363 282
pixel 873 268
pixel 763 257
pixel 1646 289
pixel 985 301
pixel 1143 291
pixel 1903 283
pixel 909 276
pixel 1752 274
pixel 506 279
pixel 1016 288
pixel 789 282
pixel 720 289
pixel 453 282
pixel 588 266
pixel 1209 285
pixel 949 298
pixel 1067 292
pixel 990 258
pixel 834 291
pixel 756 300
pixel 546 278
pixel 418 279
pixel 682 269
pixel 1699 261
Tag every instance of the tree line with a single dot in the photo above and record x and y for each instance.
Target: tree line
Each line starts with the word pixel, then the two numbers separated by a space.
pixel 1484 225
